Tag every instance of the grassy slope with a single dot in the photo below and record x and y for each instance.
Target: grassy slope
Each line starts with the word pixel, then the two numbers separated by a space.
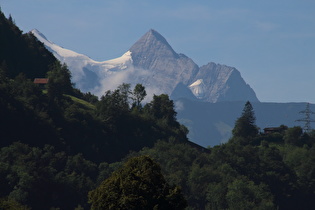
pixel 81 102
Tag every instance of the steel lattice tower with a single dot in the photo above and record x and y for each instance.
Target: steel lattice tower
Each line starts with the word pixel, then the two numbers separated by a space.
pixel 307 127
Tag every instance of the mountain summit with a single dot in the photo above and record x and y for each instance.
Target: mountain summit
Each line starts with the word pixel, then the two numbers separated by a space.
pixel 152 62
pixel 150 48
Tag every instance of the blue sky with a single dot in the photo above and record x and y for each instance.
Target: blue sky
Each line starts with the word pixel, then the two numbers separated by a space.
pixel 271 42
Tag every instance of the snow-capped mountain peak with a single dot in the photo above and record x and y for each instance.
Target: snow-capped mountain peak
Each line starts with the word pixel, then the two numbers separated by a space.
pixel 152 62
pixel 58 51
pixel 41 37
pixel 87 73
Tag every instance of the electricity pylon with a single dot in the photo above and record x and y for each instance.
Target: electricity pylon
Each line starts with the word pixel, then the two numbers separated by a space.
pixel 307 126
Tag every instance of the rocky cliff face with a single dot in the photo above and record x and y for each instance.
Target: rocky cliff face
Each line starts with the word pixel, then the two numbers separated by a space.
pixel 223 83
pixel 152 62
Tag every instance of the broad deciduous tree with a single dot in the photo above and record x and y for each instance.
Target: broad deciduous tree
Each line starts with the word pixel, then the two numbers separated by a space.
pixel 138 185
pixel 139 94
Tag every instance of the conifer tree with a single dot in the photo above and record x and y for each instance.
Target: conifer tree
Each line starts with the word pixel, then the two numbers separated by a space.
pixel 245 125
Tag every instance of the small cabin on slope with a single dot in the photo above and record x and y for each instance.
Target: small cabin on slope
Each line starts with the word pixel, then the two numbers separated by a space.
pixel 41 82
pixel 273 130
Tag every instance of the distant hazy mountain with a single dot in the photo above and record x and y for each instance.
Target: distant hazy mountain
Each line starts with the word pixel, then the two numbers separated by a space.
pixel 152 62
pixel 211 124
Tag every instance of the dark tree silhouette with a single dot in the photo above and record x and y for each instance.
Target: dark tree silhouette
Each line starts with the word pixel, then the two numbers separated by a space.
pixel 245 125
pixel 138 185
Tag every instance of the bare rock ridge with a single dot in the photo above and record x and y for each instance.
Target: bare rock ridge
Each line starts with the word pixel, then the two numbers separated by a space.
pixel 153 62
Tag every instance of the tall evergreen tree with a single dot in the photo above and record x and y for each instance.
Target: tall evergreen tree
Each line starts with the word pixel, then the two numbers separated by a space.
pixel 245 125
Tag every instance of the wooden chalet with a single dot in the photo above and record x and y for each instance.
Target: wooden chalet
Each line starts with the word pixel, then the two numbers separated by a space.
pixel 273 130
pixel 41 82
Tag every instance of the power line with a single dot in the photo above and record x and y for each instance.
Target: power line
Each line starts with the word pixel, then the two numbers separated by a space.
pixel 307 119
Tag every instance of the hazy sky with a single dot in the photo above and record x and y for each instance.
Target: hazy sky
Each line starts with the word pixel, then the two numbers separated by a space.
pixel 271 42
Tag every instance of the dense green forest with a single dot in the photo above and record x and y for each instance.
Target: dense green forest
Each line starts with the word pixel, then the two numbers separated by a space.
pixel 64 149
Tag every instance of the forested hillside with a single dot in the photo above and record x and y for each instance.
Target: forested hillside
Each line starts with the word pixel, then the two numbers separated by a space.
pixel 46 127
pixel 64 149
pixel 22 52
pixel 43 131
